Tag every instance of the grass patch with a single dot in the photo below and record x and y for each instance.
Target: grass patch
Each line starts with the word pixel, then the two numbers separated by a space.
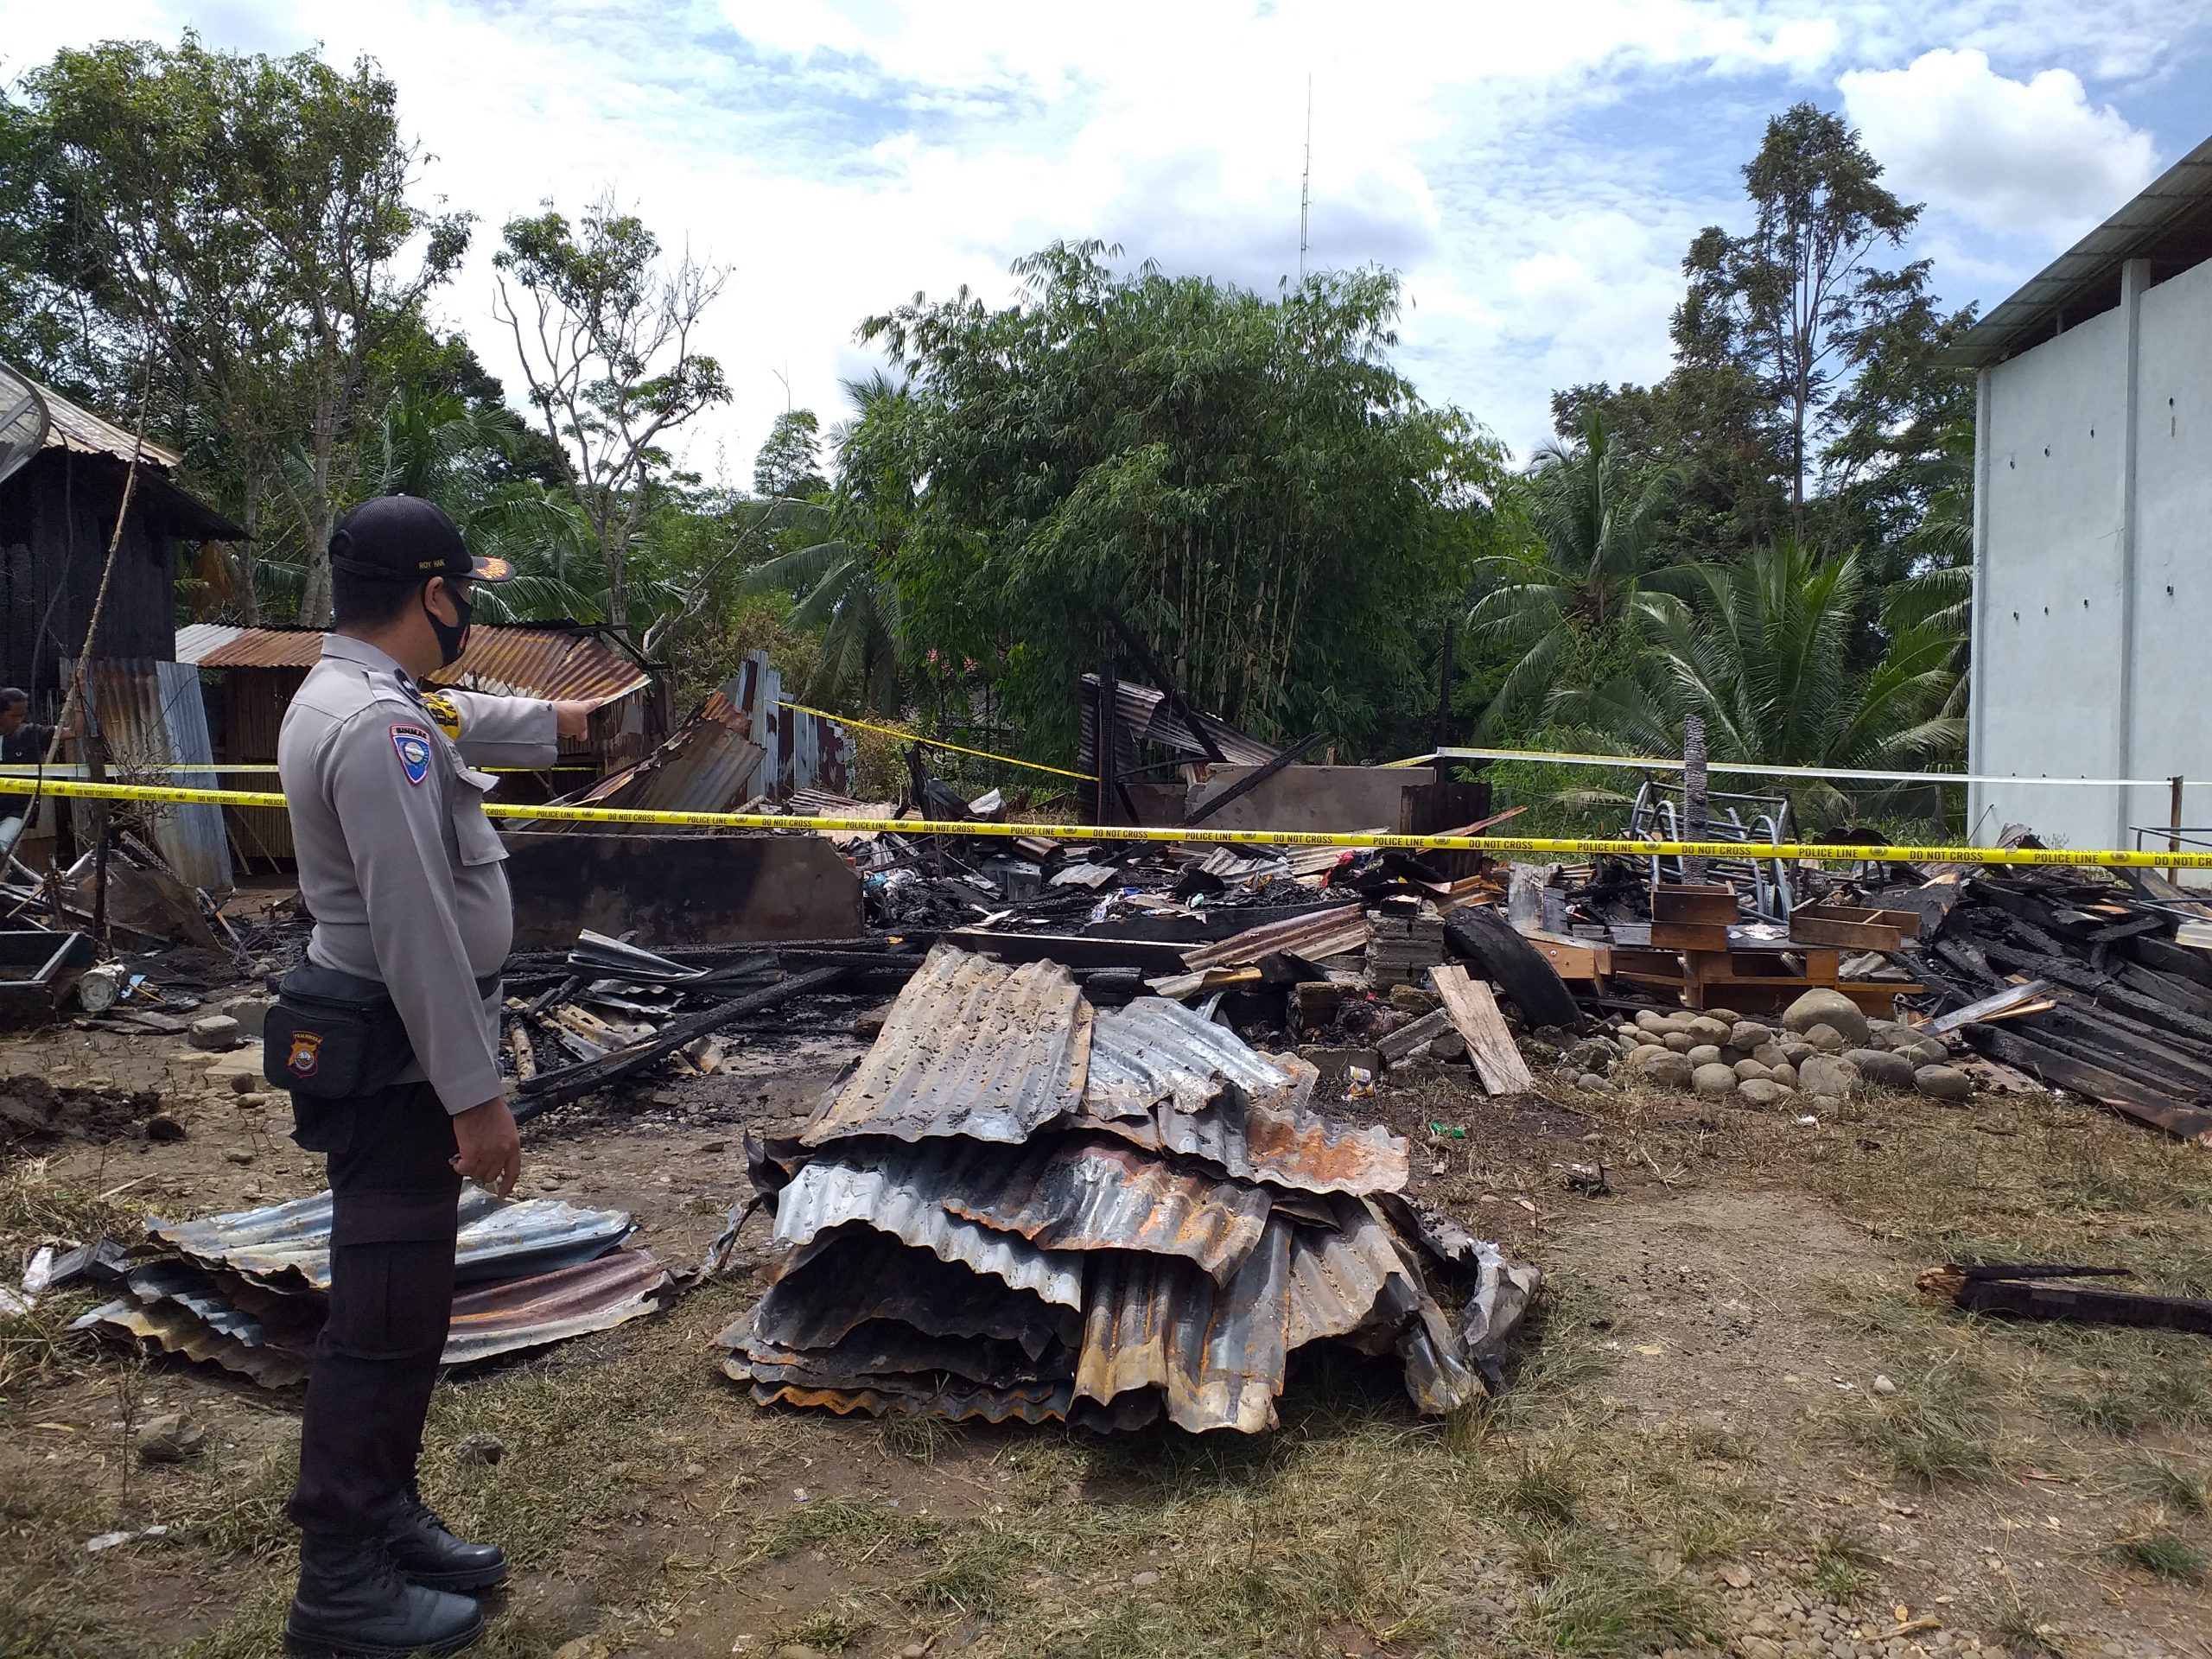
pixel 1593 1598
pixel 1938 1427
pixel 2160 1480
pixel 34 1206
pixel 833 1629
pixel 975 1572
pixel 2026 1626
pixel 2166 1553
pixel 1839 1566
pixel 837 1524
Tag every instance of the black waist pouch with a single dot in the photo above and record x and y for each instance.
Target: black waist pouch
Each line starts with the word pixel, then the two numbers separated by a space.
pixel 331 1035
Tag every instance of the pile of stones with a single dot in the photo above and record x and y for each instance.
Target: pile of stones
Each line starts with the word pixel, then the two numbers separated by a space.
pixel 1822 1045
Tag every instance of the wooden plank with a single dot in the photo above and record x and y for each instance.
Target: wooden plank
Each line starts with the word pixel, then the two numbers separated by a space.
pixel 1395 1045
pixel 1689 936
pixel 1679 903
pixel 1997 1003
pixel 1475 1016
pixel 1857 927
pixel 1573 958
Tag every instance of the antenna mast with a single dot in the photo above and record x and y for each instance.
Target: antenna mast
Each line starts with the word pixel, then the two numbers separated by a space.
pixel 1306 182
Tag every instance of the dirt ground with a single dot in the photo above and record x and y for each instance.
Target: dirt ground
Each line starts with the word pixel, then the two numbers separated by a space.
pixel 1732 1427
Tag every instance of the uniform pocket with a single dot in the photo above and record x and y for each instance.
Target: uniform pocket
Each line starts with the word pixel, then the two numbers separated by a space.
pixel 475 842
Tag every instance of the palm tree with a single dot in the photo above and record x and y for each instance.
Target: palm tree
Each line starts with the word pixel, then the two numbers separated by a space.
pixel 1762 650
pixel 1594 515
pixel 842 585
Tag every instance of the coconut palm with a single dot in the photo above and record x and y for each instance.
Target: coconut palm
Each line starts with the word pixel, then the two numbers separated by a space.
pixel 1594 515
pixel 1762 652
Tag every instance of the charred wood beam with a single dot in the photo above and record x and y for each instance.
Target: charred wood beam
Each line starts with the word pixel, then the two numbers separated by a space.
pixel 549 1088
pixel 1178 704
pixel 1246 784
pixel 2030 1294
pixel 2064 970
pixel 2108 1088
pixel 2176 961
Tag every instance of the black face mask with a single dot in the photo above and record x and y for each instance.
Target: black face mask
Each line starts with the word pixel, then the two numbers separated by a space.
pixel 453 637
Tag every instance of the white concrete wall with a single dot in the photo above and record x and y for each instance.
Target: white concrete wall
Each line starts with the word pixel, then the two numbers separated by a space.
pixel 2092 631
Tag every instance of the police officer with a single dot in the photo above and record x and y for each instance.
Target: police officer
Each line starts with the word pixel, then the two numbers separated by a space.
pixel 401 871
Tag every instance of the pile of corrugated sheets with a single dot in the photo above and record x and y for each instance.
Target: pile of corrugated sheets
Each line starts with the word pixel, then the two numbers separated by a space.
pixel 248 1291
pixel 1020 1205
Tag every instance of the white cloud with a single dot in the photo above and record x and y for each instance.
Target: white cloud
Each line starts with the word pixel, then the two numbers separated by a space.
pixel 2031 158
pixel 841 154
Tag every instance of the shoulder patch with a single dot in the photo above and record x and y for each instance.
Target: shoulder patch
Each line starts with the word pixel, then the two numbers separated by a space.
pixel 443 711
pixel 415 751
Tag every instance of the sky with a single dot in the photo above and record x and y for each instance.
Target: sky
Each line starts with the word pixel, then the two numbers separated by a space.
pixel 1533 171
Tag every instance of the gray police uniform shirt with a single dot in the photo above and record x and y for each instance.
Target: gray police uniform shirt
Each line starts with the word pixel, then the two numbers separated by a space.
pixel 399 865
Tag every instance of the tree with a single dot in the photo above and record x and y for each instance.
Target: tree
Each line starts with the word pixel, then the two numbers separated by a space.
pixel 242 222
pixel 1594 514
pixel 1762 652
pixel 1791 299
pixel 604 333
pixel 789 461
pixel 1249 479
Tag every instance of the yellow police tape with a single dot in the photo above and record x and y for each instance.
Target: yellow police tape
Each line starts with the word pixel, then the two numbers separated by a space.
pixel 935 742
pixel 2109 859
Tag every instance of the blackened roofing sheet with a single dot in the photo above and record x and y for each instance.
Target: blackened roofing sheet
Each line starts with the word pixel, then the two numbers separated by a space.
pixel 287 1246
pixel 970 1048
pixel 1157 1049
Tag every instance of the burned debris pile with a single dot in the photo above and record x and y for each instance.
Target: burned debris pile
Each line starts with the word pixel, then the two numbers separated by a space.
pixel 2082 984
pixel 1023 1205
pixel 249 1291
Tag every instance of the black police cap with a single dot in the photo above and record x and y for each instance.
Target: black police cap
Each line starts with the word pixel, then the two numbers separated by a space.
pixel 405 538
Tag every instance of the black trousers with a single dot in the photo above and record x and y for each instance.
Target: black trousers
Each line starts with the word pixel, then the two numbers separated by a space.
pixel 391 1268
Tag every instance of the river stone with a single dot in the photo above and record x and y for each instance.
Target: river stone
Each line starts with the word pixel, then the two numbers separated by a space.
pixel 1661 1068
pixel 1705 1054
pixel 1831 1009
pixel 1828 1075
pixel 1590 1083
pixel 1826 1039
pixel 1750 1036
pixel 1878 1065
pixel 1752 1071
pixel 1680 1042
pixel 1785 1074
pixel 1652 1021
pixel 1770 1054
pixel 1713 1079
pixel 1762 1092
pixel 1926 1051
pixel 1943 1082
pixel 1706 1029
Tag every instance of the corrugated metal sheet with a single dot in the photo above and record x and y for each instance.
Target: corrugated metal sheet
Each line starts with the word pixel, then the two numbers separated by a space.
pixel 1145 718
pixel 880 1352
pixel 179 1308
pixel 149 714
pixel 1156 1049
pixel 970 1048
pixel 862 1274
pixel 1321 933
pixel 1217 1353
pixel 708 765
pixel 287 1246
pixel 508 658
pixel 71 426
pixel 1086 1194
pixel 826 1194
pixel 1038 1402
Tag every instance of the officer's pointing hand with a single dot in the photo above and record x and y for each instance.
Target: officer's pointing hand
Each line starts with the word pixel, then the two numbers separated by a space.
pixel 572 718
pixel 491 1146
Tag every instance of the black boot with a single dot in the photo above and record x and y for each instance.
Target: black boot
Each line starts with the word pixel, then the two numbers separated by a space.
pixel 351 1602
pixel 426 1554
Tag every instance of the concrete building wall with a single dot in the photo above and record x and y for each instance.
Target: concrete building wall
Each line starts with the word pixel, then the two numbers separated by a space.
pixel 2093 611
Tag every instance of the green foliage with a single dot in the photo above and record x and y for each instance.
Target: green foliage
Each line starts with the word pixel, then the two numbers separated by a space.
pixel 1250 480
pixel 1762 652
pixel 789 460
pixel 240 224
pixel 603 328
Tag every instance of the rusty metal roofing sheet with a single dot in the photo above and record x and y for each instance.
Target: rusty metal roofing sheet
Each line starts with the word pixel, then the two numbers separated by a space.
pixel 287 1246
pixel 1035 1403
pixel 181 1307
pixel 71 426
pixel 878 1353
pixel 509 659
pixel 708 764
pixel 1320 933
pixel 151 714
pixel 828 1194
pixel 1145 717
pixel 1086 1193
pixel 1217 1352
pixel 863 1274
pixel 1156 1049
pixel 970 1048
